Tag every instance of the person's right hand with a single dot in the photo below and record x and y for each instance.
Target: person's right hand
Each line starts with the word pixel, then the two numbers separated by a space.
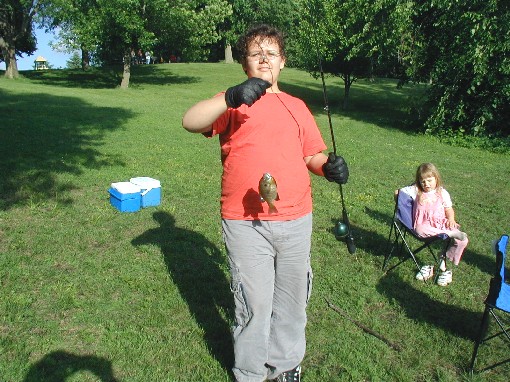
pixel 246 93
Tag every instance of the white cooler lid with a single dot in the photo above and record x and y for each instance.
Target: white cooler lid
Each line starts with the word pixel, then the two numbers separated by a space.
pixel 126 187
pixel 146 182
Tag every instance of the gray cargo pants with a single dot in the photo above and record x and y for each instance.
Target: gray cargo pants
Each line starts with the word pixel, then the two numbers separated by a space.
pixel 271 280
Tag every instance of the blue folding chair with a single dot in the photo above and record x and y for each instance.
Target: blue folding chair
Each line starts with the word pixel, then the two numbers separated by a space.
pixel 402 229
pixel 497 305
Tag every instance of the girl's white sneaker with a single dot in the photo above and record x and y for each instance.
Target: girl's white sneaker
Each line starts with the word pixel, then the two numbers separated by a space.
pixel 445 278
pixel 425 273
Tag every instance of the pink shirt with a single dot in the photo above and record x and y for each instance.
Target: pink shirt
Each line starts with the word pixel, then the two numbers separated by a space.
pixel 429 208
pixel 273 135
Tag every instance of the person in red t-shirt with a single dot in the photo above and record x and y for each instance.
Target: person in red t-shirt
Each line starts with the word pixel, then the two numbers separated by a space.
pixel 264 130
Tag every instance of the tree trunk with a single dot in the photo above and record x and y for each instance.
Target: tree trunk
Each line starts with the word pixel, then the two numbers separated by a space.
pixel 11 65
pixel 347 88
pixel 228 54
pixel 127 70
pixel 85 59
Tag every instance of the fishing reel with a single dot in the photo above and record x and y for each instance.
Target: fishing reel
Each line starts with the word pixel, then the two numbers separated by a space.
pixel 343 233
pixel 341 230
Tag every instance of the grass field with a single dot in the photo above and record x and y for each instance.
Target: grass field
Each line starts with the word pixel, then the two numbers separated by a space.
pixel 91 294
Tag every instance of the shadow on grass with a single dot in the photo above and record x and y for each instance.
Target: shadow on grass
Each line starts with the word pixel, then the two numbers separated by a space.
pixel 420 307
pixel 159 74
pixel 76 78
pixel 108 77
pixel 376 102
pixel 195 266
pixel 59 366
pixel 44 135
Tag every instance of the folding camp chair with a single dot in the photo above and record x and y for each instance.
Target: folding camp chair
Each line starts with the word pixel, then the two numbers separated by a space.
pixel 497 304
pixel 402 229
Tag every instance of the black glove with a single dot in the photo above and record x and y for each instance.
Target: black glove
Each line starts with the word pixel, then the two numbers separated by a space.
pixel 335 169
pixel 247 92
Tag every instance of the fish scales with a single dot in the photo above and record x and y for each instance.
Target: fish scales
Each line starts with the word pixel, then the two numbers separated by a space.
pixel 268 191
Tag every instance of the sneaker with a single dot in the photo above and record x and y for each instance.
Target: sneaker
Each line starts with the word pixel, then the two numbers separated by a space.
pixel 445 278
pixel 425 273
pixel 293 375
pixel 442 266
pixel 458 235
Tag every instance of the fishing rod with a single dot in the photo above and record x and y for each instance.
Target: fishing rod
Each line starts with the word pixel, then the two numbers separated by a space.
pixel 343 229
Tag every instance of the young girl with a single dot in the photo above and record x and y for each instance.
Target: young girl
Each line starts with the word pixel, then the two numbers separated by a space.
pixel 434 214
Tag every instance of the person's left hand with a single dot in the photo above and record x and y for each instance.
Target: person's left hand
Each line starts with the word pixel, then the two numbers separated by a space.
pixel 335 169
pixel 452 224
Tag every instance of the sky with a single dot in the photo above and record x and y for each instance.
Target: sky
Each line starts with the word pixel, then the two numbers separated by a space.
pixel 54 58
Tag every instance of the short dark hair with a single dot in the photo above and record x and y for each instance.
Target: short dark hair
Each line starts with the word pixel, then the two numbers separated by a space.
pixel 259 33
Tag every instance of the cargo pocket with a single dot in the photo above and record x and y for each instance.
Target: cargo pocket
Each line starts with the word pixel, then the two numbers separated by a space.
pixel 309 284
pixel 241 307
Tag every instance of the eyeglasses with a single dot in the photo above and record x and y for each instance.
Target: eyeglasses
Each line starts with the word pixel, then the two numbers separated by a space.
pixel 258 56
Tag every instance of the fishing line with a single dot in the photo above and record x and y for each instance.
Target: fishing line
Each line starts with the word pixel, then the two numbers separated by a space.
pixel 279 99
pixel 265 58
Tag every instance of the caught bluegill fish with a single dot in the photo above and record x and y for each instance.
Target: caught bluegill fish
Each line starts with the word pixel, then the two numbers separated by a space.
pixel 268 191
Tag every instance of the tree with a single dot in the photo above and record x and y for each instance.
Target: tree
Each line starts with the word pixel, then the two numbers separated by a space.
pixel 16 31
pixel 350 37
pixel 74 62
pixel 73 20
pixel 464 48
pixel 110 29
pixel 190 28
pixel 283 14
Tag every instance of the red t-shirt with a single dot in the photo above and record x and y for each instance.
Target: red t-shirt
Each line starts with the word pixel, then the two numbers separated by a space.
pixel 273 135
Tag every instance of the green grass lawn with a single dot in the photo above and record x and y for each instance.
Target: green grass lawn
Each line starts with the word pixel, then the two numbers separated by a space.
pixel 92 294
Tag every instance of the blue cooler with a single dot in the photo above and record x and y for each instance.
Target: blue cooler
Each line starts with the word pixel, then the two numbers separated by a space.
pixel 125 196
pixel 151 190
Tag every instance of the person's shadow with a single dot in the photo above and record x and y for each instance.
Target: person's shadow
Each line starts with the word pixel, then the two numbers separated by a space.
pixel 60 365
pixel 196 266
